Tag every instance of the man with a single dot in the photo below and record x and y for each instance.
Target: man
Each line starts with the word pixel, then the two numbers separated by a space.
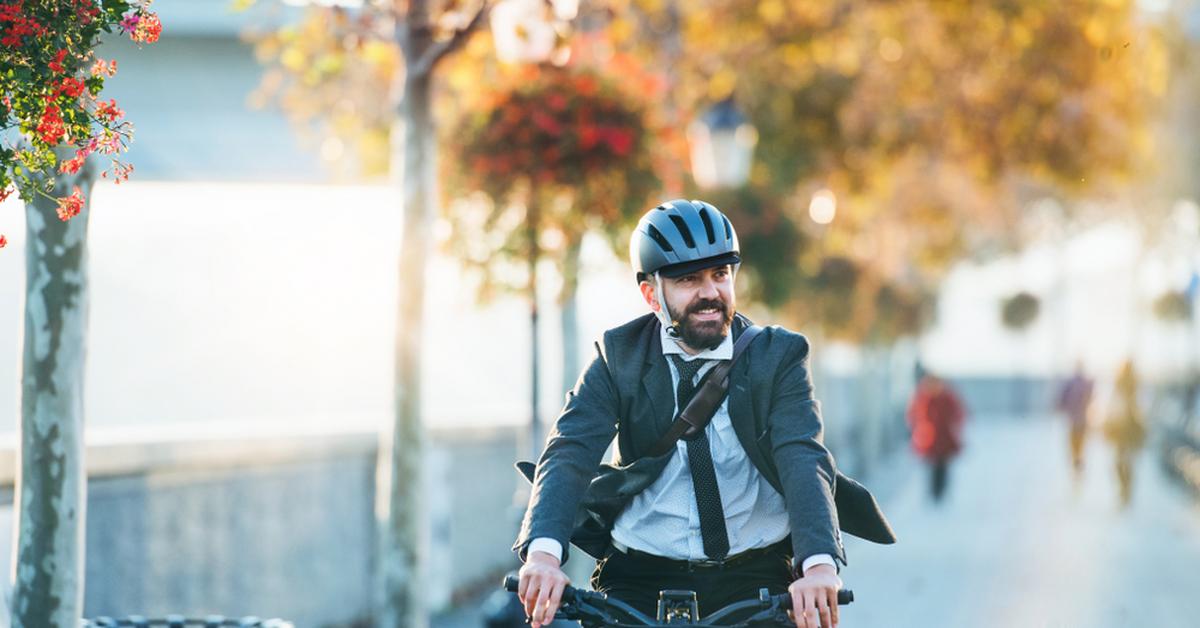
pixel 747 504
pixel 1074 400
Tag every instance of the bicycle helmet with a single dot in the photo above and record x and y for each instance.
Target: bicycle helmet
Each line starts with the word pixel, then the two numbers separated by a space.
pixel 677 238
pixel 681 236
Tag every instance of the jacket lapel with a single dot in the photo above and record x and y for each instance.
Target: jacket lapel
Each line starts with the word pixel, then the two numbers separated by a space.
pixel 741 413
pixel 742 410
pixel 657 386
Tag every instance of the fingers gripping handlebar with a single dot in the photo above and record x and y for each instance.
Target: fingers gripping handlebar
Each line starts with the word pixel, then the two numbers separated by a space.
pixel 570 594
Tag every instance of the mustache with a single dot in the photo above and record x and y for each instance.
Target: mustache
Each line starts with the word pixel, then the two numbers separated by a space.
pixel 705 304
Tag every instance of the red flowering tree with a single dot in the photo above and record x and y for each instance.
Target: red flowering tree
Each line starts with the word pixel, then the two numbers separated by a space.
pixel 55 122
pixel 50 82
pixel 553 153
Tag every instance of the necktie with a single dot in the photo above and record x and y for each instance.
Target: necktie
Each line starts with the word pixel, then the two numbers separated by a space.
pixel 704 476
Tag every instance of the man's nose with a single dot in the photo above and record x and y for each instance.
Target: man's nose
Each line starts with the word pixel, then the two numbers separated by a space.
pixel 708 289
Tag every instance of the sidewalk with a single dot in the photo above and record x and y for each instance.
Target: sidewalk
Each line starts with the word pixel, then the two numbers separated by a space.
pixel 1016 545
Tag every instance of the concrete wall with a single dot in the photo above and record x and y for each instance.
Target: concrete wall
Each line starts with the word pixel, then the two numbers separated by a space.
pixel 277 527
pixel 215 519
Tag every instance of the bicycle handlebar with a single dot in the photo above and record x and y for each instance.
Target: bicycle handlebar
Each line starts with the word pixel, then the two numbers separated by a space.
pixel 571 595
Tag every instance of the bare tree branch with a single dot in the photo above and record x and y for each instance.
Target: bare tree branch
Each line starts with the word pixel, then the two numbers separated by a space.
pixel 437 51
pixel 400 17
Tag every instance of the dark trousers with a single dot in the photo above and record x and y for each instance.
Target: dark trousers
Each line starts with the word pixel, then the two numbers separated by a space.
pixel 940 476
pixel 637 580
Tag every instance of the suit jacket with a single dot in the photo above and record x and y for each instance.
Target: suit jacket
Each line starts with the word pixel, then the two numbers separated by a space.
pixel 626 391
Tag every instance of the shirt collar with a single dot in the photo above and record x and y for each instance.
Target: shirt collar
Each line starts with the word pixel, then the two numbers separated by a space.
pixel 723 351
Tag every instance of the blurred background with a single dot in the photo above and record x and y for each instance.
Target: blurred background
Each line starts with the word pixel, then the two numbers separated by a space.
pixel 1000 193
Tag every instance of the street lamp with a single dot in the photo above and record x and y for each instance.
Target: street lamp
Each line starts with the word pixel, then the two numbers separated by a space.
pixel 722 146
pixel 522 31
pixel 823 206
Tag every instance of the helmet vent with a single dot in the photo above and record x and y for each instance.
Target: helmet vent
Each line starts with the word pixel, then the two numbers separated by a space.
pixel 708 227
pixel 728 229
pixel 684 231
pixel 659 239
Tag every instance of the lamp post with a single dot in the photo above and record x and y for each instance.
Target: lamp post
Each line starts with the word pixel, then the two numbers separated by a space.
pixel 524 32
pixel 722 146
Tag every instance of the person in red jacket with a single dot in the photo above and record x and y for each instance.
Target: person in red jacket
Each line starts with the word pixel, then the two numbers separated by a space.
pixel 935 416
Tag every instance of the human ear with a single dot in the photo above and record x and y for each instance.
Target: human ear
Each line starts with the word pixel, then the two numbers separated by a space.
pixel 647 289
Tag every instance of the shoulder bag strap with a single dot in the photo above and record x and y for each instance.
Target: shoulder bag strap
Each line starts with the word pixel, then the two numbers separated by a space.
pixel 709 393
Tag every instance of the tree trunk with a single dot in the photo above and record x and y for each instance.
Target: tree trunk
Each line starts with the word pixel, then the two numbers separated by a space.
pixel 532 227
pixel 52 484
pixel 569 308
pixel 399 473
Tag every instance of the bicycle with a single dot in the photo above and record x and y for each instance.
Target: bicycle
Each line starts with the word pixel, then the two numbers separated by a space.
pixel 179 621
pixel 596 610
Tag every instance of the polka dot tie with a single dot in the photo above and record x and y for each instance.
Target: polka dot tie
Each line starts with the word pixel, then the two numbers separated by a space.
pixel 704 476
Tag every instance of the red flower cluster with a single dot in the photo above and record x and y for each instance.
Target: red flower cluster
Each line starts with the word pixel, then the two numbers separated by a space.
pixel 49 82
pixel 70 206
pixel 72 87
pixel 104 68
pixel 142 27
pixel 51 129
pixel 120 172
pixel 108 110
pixel 56 65
pixel 16 26
pixel 72 165
pixel 557 126
pixel 86 11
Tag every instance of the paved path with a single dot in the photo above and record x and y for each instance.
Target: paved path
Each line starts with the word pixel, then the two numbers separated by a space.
pixel 1016 545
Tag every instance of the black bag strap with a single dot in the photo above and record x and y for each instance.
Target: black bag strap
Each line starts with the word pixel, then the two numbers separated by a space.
pixel 709 393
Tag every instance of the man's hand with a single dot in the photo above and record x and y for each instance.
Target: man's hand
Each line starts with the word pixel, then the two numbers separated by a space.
pixel 541 588
pixel 814 597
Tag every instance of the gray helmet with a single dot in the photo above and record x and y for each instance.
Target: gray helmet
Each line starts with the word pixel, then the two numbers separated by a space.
pixel 681 236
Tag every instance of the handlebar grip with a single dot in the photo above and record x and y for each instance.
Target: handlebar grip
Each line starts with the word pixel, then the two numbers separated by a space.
pixel 513 583
pixel 844 597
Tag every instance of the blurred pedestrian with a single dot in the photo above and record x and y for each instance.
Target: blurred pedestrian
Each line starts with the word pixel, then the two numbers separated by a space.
pixel 1125 429
pixel 1074 401
pixel 936 415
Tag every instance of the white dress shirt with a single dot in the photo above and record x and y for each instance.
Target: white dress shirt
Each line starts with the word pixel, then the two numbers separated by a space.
pixel 663 519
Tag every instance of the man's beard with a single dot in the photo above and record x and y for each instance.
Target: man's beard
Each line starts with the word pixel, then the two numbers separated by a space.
pixel 703 335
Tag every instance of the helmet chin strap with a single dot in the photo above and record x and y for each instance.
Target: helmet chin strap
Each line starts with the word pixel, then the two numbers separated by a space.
pixel 664 315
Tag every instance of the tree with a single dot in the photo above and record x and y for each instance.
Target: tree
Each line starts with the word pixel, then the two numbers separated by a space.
pixel 50 80
pixel 1017 313
pixel 934 123
pixel 422 34
pixel 554 152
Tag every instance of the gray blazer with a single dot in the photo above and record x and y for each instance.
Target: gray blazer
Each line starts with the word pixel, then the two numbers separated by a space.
pixel 626 391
